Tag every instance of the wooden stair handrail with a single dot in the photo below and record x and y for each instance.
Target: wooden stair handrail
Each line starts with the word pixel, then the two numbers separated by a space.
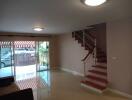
pixel 86 56
pixel 86 43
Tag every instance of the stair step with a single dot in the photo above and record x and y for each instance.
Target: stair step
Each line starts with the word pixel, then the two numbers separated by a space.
pixel 97 79
pixel 102 60
pixel 94 85
pixel 98 75
pixel 98 72
pixel 99 66
pixel 99 69
pixel 99 51
pixel 101 54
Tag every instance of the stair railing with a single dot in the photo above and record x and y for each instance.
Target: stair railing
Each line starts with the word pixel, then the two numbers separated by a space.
pixel 84 39
pixel 84 62
pixel 93 52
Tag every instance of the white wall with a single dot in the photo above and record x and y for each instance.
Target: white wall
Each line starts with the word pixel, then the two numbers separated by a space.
pixel 119 55
pixel 71 54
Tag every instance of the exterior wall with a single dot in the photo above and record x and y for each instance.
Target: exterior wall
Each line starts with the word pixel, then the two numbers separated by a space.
pixel 119 55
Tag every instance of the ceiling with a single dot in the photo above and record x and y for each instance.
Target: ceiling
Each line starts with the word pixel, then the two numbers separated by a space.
pixel 58 16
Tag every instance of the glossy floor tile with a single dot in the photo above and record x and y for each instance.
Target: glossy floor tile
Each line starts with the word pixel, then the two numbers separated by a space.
pixel 65 86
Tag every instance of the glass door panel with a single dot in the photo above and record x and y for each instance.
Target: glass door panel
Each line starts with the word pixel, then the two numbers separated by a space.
pixel 6 59
pixel 43 55
pixel 25 59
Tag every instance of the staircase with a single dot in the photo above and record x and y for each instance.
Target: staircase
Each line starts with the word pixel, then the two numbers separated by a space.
pixel 95 78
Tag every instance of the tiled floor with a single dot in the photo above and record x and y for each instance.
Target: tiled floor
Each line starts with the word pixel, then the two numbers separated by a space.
pixel 65 86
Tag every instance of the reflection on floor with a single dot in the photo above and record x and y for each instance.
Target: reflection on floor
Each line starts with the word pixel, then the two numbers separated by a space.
pixel 59 85
pixel 45 76
pixel 34 83
pixel 7 71
pixel 65 86
pixel 21 72
pixel 25 72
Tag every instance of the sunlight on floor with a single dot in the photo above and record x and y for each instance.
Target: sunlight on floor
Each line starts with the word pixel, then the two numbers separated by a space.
pixel 25 72
pixel 22 72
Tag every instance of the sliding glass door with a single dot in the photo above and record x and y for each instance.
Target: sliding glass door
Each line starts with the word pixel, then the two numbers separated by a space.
pixel 43 55
pixel 6 59
pixel 23 58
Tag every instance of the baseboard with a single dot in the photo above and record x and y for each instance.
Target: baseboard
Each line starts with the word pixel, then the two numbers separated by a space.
pixel 91 88
pixel 120 93
pixel 72 72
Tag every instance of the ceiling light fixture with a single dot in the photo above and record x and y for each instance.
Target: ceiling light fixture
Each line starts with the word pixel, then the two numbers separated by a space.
pixel 38 29
pixel 94 2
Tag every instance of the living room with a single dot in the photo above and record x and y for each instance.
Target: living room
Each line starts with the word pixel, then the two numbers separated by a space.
pixel 55 61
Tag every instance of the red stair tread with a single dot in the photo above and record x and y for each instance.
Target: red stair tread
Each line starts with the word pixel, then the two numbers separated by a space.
pixel 97 86
pixel 98 66
pixel 97 78
pixel 97 72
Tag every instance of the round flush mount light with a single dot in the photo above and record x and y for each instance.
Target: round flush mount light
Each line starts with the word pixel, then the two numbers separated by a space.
pixel 38 29
pixel 94 2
